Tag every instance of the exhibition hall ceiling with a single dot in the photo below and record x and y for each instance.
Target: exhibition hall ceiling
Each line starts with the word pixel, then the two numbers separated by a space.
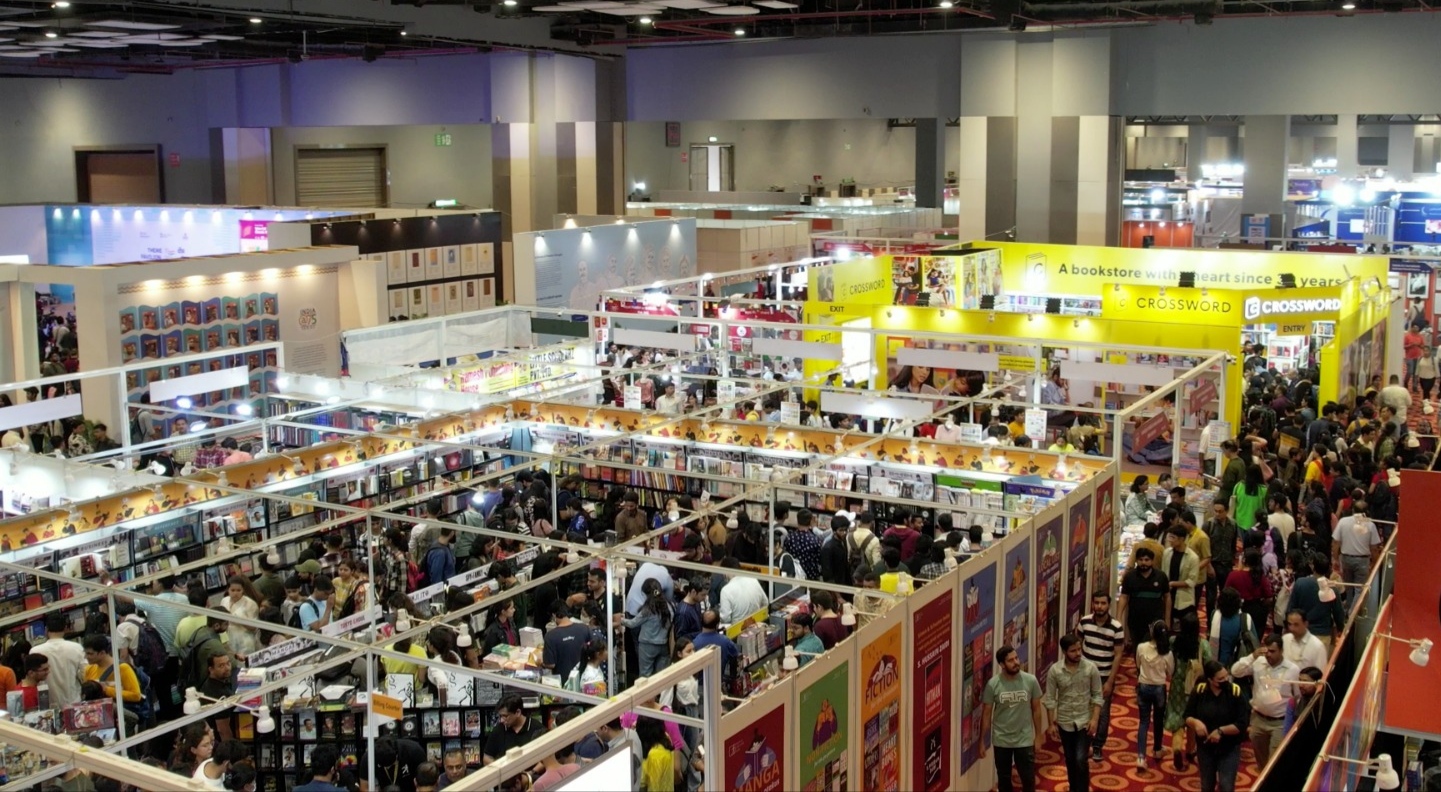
pixel 113 37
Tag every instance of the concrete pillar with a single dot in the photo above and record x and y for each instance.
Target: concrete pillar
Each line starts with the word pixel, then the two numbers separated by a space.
pixel 1034 121
pixel 930 161
pixel 1264 155
pixel 1401 151
pixel 1347 146
pixel 1195 150
pixel 986 168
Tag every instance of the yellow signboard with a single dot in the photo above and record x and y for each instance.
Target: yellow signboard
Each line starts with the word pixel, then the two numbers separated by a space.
pixel 1016 362
pixel 863 280
pixel 1078 269
pixel 385 706
pixel 1220 307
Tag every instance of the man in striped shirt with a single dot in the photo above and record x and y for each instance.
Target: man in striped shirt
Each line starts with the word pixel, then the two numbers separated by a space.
pixel 1102 640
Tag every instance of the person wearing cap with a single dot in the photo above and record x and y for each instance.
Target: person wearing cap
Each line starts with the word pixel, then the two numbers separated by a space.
pixel 307 571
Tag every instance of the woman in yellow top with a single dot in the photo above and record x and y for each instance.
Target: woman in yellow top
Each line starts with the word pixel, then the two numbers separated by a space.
pixel 1315 467
pixel 102 669
pixel 658 771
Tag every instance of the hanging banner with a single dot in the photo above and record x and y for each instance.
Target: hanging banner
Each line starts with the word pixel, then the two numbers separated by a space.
pixel 932 632
pixel 880 696
pixel 1016 630
pixel 1101 571
pixel 1079 530
pixel 1048 593
pixel 1413 606
pixel 978 633
pixel 755 745
pixel 823 731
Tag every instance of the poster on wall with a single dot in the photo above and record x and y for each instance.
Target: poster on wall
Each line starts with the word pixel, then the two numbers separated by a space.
pixel 486 258
pixel 978 635
pixel 573 266
pixel 415 266
pixel 823 731
pixel 487 292
pixel 254 235
pixel 947 281
pixel 1362 361
pixel 189 327
pixel 755 754
pixel 470 295
pixel 925 379
pixel 395 267
pixel 434 267
pixel 469 260
pixel 1101 571
pixel 1016 629
pixel 450 261
pixel 932 632
pixel 1079 529
pixel 880 683
pixel 1048 594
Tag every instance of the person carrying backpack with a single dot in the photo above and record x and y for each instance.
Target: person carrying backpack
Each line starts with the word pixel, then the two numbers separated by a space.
pixel 863 548
pixel 141 646
pixel 195 655
pixel 439 563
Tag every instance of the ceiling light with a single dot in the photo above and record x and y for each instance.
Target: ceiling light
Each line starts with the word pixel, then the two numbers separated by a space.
pixel 62 4
pixel 1348 6
pixel 51 34
pixel 255 20
pixel 645 20
pixel 946 4
pixel 403 33
pixel 511 3
pixel 740 31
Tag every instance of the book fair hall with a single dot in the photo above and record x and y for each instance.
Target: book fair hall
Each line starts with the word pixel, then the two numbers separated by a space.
pixel 703 395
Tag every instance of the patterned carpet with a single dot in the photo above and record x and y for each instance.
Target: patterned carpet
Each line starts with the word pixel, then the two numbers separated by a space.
pixel 1118 773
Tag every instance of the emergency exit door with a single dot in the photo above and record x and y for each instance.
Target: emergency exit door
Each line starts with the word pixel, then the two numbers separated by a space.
pixel 712 167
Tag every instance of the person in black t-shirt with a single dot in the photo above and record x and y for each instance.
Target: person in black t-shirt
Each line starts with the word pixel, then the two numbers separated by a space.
pixel 513 730
pixel 1219 716
pixel 395 763
pixel 1145 596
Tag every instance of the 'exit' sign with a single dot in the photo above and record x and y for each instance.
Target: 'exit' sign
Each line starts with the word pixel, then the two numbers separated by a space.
pixel 442 139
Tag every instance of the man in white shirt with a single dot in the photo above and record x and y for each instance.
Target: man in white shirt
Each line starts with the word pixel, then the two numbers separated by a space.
pixel 67 661
pixel 741 597
pixel 669 403
pixel 1280 520
pixel 1300 646
pixel 1357 546
pixel 1273 674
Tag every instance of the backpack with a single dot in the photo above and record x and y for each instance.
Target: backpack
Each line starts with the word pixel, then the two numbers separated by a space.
pixel 856 556
pixel 150 654
pixel 188 675
pixel 800 571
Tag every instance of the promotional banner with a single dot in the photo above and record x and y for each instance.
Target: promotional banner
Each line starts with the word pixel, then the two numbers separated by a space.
pixel 865 281
pixel 926 379
pixel 1217 306
pixel 755 750
pixel 1414 606
pixel 947 279
pixel 1079 529
pixel 1016 576
pixel 1048 594
pixel 933 625
pixel 978 635
pixel 823 731
pixel 1102 570
pixel 1081 270
pixel 880 715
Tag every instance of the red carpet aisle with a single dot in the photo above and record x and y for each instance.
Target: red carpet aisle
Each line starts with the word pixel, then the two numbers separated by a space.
pixel 1118 773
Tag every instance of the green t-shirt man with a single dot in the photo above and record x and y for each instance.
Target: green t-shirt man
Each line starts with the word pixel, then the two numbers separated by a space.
pixel 1010 700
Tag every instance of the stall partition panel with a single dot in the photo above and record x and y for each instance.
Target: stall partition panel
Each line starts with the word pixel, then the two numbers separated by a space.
pixel 1079 505
pixel 757 754
pixel 932 633
pixel 1017 571
pixel 882 705
pixel 1049 539
pixel 1103 556
pixel 976 662
pixel 827 742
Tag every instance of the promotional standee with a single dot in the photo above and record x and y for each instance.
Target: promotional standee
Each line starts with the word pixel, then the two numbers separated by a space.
pixel 758 754
pixel 932 635
pixel 1050 533
pixel 978 631
pixel 1078 529
pixel 881 703
pixel 824 752
pixel 1016 583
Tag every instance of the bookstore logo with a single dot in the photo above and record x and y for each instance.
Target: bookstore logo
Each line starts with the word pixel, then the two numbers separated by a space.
pixel 1251 309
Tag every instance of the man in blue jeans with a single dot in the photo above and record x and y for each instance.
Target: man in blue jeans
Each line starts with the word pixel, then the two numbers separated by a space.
pixel 1073 700
pixel 1011 714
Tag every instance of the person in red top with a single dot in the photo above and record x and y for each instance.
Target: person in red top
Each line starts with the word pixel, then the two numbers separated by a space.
pixel 37 670
pixel 1254 586
pixel 827 625
pixel 1414 344
pixel 906 528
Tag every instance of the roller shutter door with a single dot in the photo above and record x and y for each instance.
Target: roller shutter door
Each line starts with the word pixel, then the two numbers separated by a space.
pixel 340 177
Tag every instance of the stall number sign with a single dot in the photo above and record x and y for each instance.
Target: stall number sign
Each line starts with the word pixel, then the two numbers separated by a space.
pixel 442 139
pixel 1254 308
